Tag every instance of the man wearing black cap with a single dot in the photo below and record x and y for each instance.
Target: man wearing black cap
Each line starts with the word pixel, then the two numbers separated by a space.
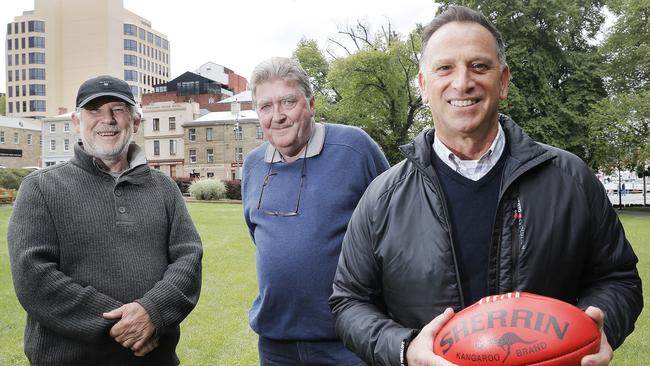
pixel 105 258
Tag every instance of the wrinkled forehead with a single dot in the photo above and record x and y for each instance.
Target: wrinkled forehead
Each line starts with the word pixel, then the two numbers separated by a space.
pixel 277 89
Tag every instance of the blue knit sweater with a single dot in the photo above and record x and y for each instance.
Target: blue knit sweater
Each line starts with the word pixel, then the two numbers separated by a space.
pixel 297 256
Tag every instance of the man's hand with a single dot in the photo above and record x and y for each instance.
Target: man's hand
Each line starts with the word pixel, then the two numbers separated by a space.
pixel 420 350
pixel 134 329
pixel 605 355
pixel 148 346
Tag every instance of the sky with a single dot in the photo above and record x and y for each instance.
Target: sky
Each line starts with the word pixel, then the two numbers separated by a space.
pixel 240 34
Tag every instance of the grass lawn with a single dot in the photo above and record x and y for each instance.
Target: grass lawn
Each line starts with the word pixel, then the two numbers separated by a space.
pixel 217 331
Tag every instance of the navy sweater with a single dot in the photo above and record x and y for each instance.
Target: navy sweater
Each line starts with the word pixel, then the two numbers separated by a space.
pixel 297 256
pixel 472 206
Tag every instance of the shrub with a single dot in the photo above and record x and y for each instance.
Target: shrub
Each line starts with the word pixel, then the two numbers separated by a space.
pixel 11 178
pixel 207 189
pixel 183 183
pixel 233 189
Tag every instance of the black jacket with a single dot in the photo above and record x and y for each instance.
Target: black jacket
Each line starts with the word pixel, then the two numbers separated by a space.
pixel 398 270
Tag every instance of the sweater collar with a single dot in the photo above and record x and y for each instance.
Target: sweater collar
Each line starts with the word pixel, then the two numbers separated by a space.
pixel 136 173
pixel 314 146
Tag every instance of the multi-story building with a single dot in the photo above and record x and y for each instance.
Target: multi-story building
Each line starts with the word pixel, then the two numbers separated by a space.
pixel 52 49
pixel 224 75
pixel 216 143
pixel 163 134
pixel 190 87
pixel 20 142
pixel 59 137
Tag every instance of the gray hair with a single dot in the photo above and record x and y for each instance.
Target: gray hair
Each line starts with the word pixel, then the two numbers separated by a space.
pixel 461 14
pixel 280 68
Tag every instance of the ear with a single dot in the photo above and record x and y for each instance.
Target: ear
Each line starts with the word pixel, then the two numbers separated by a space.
pixel 505 80
pixel 137 119
pixel 423 88
pixel 76 122
pixel 312 104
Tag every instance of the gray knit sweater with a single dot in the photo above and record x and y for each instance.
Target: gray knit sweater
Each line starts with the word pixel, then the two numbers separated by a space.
pixel 82 243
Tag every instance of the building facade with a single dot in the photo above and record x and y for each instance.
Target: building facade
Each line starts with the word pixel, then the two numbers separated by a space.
pixel 224 75
pixel 191 87
pixel 20 142
pixel 53 48
pixel 59 137
pixel 163 134
pixel 216 143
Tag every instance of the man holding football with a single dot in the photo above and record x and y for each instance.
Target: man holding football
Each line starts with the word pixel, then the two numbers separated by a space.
pixel 477 208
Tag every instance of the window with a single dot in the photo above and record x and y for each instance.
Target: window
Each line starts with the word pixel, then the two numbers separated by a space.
pixel 156 124
pixel 165 44
pixel 187 88
pixel 130 45
pixel 210 155
pixel 52 145
pixel 158 41
pixel 50 163
pixel 29 139
pixel 9 58
pixel 172 123
pixel 16 138
pixel 141 33
pixel 66 127
pixel 134 90
pixel 210 174
pixel 172 147
pixel 17 75
pixel 22 27
pixel 24 72
pixel 238 131
pixel 2 137
pixel 15 27
pixel 192 134
pixel 156 147
pixel 259 134
pixel 10 76
pixel 130 30
pixel 130 75
pixel 37 106
pixel 36 42
pixel 10 92
pixel 239 156
pixel 9 45
pixel 149 37
pixel 22 43
pixel 36 74
pixel 209 136
pixel 36 26
pixel 11 105
pixel 8 28
pixel 52 127
pixel 24 60
pixel 37 58
pixel 192 156
pixel 36 89
pixel 66 145
pixel 130 60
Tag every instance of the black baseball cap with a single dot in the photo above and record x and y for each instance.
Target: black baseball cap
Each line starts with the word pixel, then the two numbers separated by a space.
pixel 101 86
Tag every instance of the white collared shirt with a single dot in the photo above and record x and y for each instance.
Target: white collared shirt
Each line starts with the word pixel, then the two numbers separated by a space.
pixel 314 146
pixel 472 169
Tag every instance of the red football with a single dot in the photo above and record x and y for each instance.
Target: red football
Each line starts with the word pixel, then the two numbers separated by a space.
pixel 518 328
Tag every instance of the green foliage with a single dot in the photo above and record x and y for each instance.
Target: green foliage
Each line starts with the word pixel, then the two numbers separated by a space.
pixel 3 105
pixel 11 178
pixel 627 48
pixel 207 189
pixel 372 87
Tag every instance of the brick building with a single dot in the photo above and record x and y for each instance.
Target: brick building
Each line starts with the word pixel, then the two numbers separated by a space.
pixel 20 142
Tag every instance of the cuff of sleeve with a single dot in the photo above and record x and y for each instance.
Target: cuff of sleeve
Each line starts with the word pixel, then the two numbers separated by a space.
pixel 156 319
pixel 405 345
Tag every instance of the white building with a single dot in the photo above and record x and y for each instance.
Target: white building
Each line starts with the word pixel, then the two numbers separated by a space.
pixel 163 134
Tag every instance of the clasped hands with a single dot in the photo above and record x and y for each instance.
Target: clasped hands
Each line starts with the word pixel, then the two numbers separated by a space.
pixel 134 330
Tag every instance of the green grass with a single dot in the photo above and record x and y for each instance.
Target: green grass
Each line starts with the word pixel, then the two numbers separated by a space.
pixel 217 331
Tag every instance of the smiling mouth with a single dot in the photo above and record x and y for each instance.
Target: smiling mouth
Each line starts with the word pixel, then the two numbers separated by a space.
pixel 463 103
pixel 107 133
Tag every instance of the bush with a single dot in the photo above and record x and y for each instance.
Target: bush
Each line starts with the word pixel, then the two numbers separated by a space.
pixel 207 189
pixel 11 178
pixel 183 183
pixel 233 189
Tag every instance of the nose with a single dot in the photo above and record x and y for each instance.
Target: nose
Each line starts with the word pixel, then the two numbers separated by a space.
pixel 107 116
pixel 463 81
pixel 278 114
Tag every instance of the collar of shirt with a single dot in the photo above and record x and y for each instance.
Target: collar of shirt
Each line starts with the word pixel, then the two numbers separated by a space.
pixel 472 169
pixel 314 146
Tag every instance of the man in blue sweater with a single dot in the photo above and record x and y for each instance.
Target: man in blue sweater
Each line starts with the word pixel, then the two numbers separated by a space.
pixel 299 191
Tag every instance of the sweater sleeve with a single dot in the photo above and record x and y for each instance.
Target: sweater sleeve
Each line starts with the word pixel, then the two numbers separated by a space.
pixel 615 285
pixel 360 316
pixel 47 294
pixel 176 294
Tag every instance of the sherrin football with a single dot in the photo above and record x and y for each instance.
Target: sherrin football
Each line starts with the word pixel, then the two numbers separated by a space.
pixel 518 328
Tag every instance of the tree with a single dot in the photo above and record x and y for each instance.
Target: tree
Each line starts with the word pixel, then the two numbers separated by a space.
pixel 3 105
pixel 372 86
pixel 554 78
